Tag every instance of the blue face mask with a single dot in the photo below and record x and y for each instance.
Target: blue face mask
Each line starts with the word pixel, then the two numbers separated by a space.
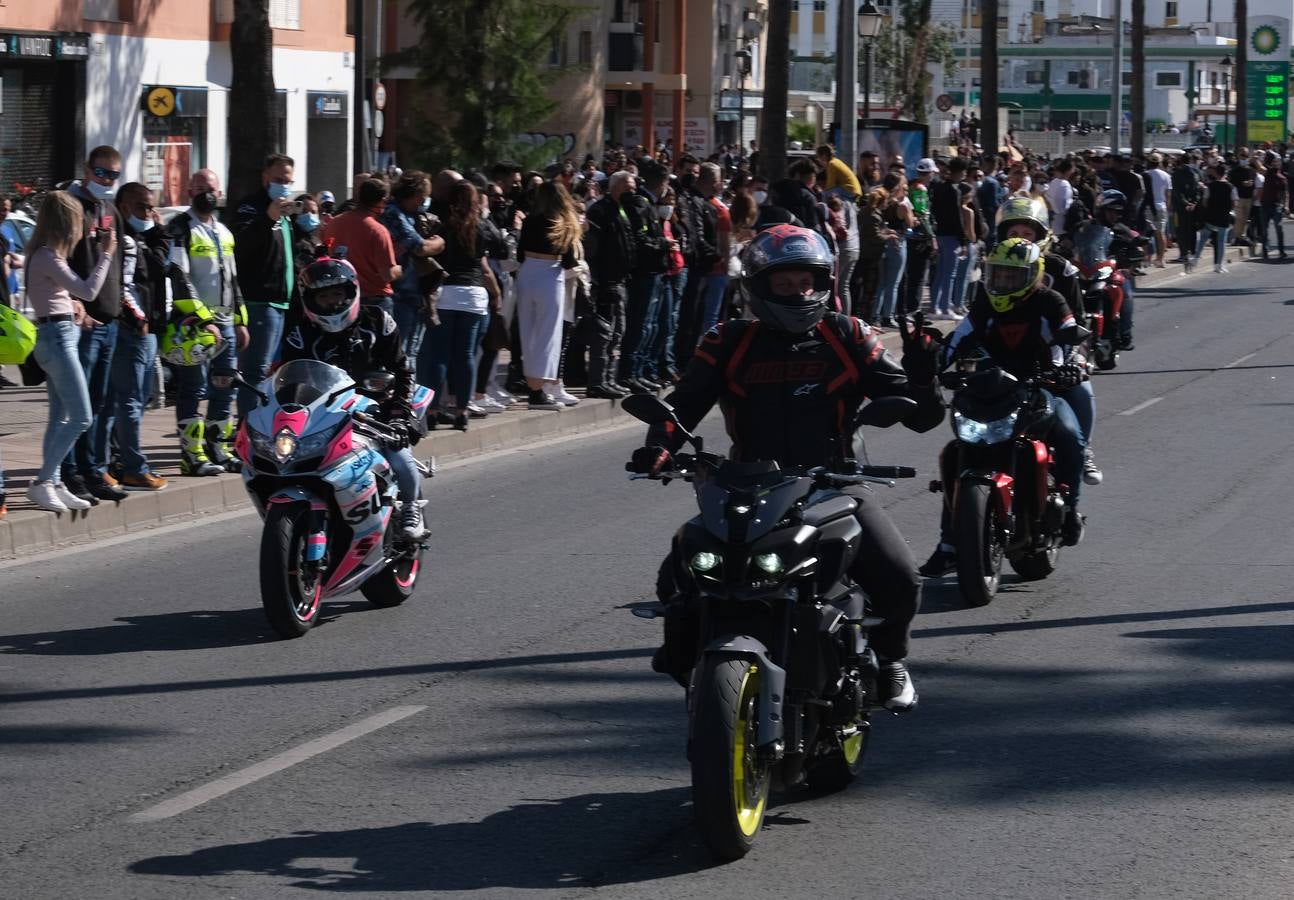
pixel 279 191
pixel 308 222
pixel 98 191
pixel 426 204
pixel 140 225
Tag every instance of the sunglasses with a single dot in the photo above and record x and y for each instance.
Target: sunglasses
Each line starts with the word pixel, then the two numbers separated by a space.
pixel 110 174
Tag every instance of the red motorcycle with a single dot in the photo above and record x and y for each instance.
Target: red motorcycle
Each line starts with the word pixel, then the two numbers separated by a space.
pixel 1103 291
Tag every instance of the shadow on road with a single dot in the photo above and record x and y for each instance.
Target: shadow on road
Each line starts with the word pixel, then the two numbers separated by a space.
pixel 589 840
pixel 58 735
pixel 189 630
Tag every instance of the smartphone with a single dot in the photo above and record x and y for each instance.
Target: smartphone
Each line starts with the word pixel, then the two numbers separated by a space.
pixel 296 208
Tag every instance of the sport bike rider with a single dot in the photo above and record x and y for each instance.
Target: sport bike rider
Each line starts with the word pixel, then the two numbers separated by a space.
pixel 1027 329
pixel 336 329
pixel 789 384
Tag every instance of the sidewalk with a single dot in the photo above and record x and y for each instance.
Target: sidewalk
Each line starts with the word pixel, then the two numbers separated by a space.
pixel 28 530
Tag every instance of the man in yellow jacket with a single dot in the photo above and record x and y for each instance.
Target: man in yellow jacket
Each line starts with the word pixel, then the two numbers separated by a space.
pixel 839 175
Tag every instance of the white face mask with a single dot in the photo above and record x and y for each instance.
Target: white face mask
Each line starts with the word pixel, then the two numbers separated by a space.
pixel 760 197
pixel 665 212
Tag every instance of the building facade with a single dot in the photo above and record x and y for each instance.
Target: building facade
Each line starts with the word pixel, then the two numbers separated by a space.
pixel 152 79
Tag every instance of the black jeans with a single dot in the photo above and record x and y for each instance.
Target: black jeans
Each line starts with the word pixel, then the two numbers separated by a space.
pixel 606 330
pixel 884 569
pixel 918 268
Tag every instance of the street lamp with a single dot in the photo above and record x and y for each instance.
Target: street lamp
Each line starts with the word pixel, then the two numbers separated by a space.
pixel 869 26
pixel 1226 65
pixel 743 70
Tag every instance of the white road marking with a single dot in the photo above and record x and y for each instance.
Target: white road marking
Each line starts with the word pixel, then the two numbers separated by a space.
pixel 1236 362
pixel 288 758
pixel 1140 406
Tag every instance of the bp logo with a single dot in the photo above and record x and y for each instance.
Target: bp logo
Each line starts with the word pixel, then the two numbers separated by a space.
pixel 1265 40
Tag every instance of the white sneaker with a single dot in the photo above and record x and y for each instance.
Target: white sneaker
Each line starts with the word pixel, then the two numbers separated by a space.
pixel 70 500
pixel 44 495
pixel 1221 270
pixel 411 524
pixel 490 405
pixel 563 396
pixel 500 396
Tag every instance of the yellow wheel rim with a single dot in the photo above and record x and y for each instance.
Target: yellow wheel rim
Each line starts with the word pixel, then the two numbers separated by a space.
pixel 852 746
pixel 749 785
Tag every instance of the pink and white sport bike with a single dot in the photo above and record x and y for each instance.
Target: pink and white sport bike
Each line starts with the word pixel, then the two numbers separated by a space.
pixel 313 465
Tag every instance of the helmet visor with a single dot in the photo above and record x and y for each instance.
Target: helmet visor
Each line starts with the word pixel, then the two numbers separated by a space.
pixel 329 300
pixel 1003 280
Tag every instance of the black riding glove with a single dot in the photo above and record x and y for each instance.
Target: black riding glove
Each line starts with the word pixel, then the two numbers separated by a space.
pixel 648 461
pixel 1064 378
pixel 921 343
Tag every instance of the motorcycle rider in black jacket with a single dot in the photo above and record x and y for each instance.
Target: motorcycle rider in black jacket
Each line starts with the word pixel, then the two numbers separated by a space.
pixel 334 328
pixel 789 384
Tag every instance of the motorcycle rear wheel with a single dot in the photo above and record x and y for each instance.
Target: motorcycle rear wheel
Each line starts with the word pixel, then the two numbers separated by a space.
pixel 730 784
pixel 289 593
pixel 979 549
pixel 841 768
pixel 1036 566
pixel 395 583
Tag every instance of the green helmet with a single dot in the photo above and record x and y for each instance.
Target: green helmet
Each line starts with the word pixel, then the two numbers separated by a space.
pixel 1012 272
pixel 1025 211
pixel 189 344
pixel 17 337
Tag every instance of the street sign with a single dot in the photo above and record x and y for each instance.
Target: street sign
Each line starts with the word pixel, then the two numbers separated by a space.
pixel 944 102
pixel 161 102
pixel 1266 79
pixel 379 96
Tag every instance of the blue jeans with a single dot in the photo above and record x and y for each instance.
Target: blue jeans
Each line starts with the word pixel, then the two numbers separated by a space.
pixel 640 325
pixel 384 303
pixel 713 289
pixel 95 349
pixel 194 383
pixel 132 371
pixel 69 397
pixel 265 328
pixel 1219 234
pixel 672 287
pixel 1273 215
pixel 1067 437
pixel 449 351
pixel 965 266
pixel 405 470
pixel 408 318
pixel 893 264
pixel 1082 400
pixel 943 295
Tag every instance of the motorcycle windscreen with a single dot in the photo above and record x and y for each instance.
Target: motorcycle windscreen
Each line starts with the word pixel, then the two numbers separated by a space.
pixel 303 381
pixel 1092 244
pixel 741 510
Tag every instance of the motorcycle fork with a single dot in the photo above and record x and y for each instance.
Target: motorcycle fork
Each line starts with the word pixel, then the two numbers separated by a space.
pixel 316 553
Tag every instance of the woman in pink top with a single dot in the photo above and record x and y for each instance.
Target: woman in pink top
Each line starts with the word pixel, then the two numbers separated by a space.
pixel 55 293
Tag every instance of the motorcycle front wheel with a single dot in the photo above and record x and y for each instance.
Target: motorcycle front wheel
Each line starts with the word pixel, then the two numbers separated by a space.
pixel 730 784
pixel 290 587
pixel 1036 566
pixel 979 545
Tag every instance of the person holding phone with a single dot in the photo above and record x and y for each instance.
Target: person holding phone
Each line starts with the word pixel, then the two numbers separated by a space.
pixel 267 275
pixel 85 467
pixel 61 300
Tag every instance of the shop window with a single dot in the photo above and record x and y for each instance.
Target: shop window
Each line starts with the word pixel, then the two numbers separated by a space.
pixel 175 140
pixel 1168 79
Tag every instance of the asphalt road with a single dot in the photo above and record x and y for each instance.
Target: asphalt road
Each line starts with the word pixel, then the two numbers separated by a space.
pixel 1122 730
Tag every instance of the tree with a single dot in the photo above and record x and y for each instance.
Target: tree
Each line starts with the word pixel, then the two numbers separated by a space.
pixel 484 66
pixel 892 51
pixel 916 25
pixel 251 96
pixel 777 83
pixel 1238 80
pixel 988 77
pixel 1138 89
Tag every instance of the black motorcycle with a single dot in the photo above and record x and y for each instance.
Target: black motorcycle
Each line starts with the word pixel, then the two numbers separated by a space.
pixel 783 681
pixel 997 477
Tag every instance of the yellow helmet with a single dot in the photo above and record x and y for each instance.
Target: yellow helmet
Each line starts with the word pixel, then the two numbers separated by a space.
pixel 1012 272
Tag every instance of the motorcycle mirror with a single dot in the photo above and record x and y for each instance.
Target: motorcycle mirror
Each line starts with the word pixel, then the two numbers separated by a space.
pixel 886 411
pixel 238 379
pixel 1074 334
pixel 648 408
pixel 378 382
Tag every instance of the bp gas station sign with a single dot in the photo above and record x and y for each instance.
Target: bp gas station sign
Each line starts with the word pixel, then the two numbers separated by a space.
pixel 1267 78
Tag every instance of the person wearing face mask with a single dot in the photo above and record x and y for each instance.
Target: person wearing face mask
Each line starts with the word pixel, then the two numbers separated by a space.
pixel 142 319
pixel 94 192
pixel 204 254
pixel 411 198
pixel 267 272
pixel 306 228
pixel 368 244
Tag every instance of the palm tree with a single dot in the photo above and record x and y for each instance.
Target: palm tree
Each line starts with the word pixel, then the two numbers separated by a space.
pixel 251 96
pixel 777 81
pixel 1238 73
pixel 1138 100
pixel 988 76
